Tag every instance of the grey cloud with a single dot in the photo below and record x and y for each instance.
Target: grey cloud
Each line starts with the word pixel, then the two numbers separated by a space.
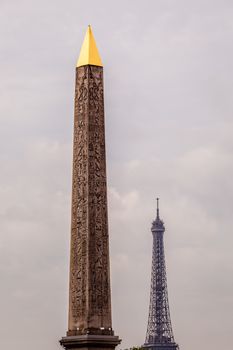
pixel 168 83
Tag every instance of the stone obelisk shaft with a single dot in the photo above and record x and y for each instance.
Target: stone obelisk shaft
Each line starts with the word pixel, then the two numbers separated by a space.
pixel 89 299
pixel 90 324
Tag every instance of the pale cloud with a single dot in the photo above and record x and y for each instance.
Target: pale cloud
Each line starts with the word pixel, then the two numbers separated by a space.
pixel 168 83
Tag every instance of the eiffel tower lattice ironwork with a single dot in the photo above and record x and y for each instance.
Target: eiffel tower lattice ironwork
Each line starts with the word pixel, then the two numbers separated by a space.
pixel 159 334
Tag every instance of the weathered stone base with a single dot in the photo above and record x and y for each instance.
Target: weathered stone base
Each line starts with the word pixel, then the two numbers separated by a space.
pixel 90 341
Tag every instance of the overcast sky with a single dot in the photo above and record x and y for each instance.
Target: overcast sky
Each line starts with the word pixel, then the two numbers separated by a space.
pixel 168 69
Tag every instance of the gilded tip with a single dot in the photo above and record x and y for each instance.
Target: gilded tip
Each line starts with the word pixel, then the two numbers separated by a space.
pixel 89 54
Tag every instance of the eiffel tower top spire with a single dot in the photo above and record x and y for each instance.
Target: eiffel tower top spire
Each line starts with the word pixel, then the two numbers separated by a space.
pixel 157 199
pixel 158 224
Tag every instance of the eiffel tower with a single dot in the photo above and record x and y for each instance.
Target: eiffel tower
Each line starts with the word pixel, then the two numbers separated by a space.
pixel 159 335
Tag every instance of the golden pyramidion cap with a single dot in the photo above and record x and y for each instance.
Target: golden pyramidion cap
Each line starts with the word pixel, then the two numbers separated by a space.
pixel 89 54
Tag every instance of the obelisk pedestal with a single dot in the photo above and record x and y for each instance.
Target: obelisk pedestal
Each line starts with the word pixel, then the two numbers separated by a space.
pixel 90 322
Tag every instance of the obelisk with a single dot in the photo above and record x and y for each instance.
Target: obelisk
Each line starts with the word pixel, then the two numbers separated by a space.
pixel 90 322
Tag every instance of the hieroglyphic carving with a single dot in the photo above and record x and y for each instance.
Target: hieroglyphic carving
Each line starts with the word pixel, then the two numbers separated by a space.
pixel 78 259
pixel 90 304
